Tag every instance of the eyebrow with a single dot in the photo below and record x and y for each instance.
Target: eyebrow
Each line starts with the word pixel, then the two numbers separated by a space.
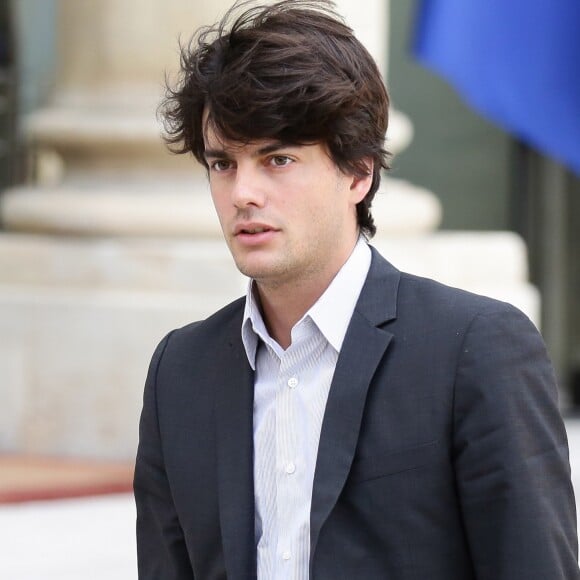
pixel 270 148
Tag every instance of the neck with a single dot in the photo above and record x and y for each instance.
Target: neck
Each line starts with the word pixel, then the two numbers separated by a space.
pixel 284 305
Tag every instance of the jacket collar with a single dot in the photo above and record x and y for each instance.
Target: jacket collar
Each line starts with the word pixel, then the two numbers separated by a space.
pixel 378 300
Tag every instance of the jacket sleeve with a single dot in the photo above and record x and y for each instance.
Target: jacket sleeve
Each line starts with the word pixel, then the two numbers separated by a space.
pixel 161 550
pixel 511 453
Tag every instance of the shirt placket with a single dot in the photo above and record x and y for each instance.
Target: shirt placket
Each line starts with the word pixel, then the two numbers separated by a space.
pixel 288 465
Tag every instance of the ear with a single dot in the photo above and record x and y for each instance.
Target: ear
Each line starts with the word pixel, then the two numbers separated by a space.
pixel 360 186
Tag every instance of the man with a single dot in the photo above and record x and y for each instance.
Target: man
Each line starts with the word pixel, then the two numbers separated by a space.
pixel 344 420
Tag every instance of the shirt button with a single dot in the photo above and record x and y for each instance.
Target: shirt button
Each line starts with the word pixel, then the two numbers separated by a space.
pixel 286 555
pixel 293 382
pixel 290 468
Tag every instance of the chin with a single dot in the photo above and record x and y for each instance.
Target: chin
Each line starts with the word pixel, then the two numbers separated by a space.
pixel 255 271
pixel 267 273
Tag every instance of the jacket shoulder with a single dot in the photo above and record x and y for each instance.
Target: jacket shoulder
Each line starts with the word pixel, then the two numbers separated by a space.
pixel 410 297
pixel 201 334
pixel 228 314
pixel 431 298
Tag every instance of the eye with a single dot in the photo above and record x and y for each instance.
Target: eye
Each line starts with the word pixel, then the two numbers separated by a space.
pixel 221 165
pixel 280 160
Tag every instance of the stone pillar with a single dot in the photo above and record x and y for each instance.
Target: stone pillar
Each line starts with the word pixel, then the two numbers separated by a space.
pixel 112 57
pixel 122 48
pixel 101 166
pixel 370 21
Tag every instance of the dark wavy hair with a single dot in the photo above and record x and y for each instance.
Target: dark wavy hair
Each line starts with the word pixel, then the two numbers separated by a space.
pixel 291 71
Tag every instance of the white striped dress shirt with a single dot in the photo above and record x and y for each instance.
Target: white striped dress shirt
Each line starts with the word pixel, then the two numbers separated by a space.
pixel 290 392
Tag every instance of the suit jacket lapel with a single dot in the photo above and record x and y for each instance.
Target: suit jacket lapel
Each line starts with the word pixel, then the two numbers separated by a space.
pixel 363 348
pixel 234 428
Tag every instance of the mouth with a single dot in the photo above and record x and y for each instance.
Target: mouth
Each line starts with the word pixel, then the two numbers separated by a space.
pixel 252 229
pixel 254 235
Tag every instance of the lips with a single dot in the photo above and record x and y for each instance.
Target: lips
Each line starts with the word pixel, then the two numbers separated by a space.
pixel 254 235
pixel 249 229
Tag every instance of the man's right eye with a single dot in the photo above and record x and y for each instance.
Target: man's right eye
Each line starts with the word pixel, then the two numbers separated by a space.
pixel 220 165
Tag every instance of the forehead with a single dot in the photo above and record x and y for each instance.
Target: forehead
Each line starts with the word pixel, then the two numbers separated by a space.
pixel 215 140
pixel 217 146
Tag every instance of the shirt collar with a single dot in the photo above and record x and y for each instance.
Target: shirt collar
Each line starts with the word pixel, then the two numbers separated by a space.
pixel 331 312
pixel 253 326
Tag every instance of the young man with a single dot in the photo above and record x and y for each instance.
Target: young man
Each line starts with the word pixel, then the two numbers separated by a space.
pixel 343 420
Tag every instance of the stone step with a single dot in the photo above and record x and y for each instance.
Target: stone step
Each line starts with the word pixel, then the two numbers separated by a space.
pixel 462 259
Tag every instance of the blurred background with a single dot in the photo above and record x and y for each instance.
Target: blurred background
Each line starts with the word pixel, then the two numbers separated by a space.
pixel 107 241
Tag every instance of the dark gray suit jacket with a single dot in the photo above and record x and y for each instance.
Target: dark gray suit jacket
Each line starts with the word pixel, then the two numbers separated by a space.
pixel 442 454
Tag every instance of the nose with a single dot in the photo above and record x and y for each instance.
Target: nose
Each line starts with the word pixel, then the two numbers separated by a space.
pixel 248 187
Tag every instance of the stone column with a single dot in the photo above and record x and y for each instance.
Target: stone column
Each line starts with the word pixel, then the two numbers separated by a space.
pixel 112 60
pixel 101 166
pixel 370 21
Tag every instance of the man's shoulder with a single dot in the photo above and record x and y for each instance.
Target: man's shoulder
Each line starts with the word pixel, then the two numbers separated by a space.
pixel 430 299
pixel 231 313
pixel 434 299
pixel 226 321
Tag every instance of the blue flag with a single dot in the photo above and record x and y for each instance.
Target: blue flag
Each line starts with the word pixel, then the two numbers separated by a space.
pixel 517 62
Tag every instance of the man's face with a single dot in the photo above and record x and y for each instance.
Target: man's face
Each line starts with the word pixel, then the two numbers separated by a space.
pixel 287 213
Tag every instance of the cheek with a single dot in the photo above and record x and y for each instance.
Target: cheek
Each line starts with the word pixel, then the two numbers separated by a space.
pixel 222 211
pixel 219 200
